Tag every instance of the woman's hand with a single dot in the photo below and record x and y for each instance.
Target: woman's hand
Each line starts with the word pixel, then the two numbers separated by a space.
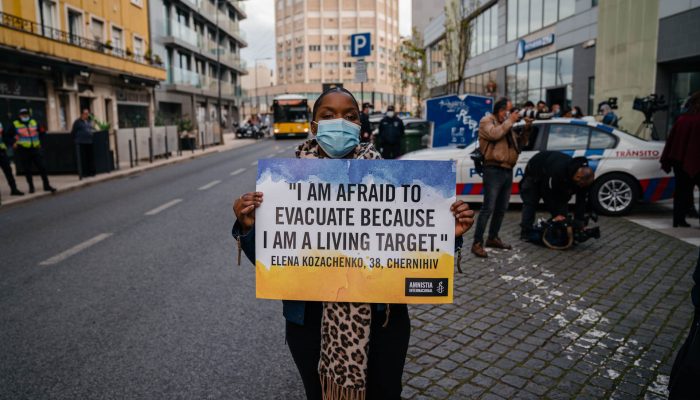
pixel 244 208
pixel 464 217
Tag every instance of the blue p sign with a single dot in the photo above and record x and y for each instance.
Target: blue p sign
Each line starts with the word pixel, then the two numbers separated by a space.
pixel 360 45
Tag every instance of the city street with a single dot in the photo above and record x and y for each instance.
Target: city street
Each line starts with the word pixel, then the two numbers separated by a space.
pixel 130 289
pixel 148 302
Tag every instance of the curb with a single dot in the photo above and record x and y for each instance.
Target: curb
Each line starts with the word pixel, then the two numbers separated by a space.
pixel 117 174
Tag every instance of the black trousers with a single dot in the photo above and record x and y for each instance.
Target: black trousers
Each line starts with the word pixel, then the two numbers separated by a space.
pixel 87 159
pixel 391 151
pixel 530 194
pixel 387 351
pixel 32 156
pixel 683 383
pixel 7 169
pixel 683 195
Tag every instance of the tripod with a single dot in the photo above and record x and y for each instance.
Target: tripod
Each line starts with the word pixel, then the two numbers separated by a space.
pixel 647 129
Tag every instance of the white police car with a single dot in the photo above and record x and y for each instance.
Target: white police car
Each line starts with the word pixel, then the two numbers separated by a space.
pixel 627 168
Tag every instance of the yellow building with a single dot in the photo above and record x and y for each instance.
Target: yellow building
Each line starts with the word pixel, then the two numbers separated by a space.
pixel 60 56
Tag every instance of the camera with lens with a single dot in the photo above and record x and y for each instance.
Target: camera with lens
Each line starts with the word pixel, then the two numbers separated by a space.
pixel 534 114
pixel 561 235
pixel 650 104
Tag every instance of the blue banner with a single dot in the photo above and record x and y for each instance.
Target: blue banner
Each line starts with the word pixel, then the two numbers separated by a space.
pixel 456 118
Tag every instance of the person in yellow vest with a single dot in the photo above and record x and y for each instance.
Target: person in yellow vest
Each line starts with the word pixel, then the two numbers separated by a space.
pixel 5 165
pixel 27 146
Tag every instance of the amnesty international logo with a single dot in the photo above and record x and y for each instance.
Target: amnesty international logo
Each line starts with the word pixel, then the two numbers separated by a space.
pixel 426 286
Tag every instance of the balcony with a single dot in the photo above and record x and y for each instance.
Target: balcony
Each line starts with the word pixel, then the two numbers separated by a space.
pixel 180 76
pixel 183 33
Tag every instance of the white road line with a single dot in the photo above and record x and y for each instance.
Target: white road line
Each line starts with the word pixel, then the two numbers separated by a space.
pixel 271 155
pixel 209 185
pixel 163 207
pixel 238 171
pixel 281 151
pixel 75 249
pixel 254 162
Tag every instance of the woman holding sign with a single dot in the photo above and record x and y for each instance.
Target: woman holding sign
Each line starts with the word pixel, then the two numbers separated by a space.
pixel 342 350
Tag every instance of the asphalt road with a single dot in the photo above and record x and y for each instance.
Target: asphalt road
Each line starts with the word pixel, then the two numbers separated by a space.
pixel 130 289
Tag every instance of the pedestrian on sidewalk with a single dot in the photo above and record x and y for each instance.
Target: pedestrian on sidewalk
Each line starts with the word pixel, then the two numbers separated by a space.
pixel 5 165
pixel 391 132
pixel 27 147
pixel 365 126
pixel 378 336
pixel 682 156
pixel 554 177
pixel 501 146
pixel 83 134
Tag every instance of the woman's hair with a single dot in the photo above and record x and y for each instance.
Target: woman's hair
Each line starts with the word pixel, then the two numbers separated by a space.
pixel 694 103
pixel 336 89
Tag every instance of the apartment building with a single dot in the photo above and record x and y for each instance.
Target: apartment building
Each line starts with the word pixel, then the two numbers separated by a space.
pixel 199 42
pixel 57 57
pixel 312 39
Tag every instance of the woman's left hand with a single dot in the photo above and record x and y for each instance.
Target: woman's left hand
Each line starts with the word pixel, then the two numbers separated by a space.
pixel 464 217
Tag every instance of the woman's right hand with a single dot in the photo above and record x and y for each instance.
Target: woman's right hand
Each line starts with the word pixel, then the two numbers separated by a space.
pixel 244 208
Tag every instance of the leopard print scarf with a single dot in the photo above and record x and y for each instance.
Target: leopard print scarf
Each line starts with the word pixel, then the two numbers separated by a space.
pixel 344 326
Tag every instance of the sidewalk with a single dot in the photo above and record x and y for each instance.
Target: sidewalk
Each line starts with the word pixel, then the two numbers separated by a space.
pixel 66 183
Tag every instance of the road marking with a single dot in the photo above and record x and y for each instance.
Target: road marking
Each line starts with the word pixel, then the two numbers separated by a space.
pixel 163 207
pixel 75 249
pixel 281 151
pixel 209 185
pixel 238 171
pixel 271 155
pixel 254 163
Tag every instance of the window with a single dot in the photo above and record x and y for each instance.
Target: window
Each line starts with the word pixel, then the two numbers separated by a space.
pixel 601 140
pixel 566 8
pixel 97 30
pixel 315 65
pixel 535 15
pixel 567 137
pixel 138 47
pixel 75 25
pixel 565 60
pixel 48 17
pixel 347 64
pixel 331 47
pixel 550 12
pixel 591 94
pixel 525 16
pixel 314 47
pixel 485 31
pixel 117 38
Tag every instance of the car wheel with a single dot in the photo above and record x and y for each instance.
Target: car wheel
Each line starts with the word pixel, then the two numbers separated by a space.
pixel 614 194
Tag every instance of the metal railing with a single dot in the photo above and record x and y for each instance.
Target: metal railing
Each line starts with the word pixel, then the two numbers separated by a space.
pixel 24 25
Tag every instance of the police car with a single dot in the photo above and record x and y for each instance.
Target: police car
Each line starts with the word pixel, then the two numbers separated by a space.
pixel 627 168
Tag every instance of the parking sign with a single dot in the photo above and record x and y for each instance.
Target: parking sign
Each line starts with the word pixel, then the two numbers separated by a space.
pixel 360 45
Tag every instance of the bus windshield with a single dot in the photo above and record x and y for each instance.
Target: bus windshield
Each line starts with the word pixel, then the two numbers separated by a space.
pixel 291 113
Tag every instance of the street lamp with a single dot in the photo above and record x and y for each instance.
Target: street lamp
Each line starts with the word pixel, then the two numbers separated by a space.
pixel 257 99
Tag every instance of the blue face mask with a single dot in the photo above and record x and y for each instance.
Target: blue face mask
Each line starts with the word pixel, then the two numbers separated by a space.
pixel 337 137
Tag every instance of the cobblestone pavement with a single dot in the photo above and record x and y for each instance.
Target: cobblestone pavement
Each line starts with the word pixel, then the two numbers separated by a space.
pixel 603 320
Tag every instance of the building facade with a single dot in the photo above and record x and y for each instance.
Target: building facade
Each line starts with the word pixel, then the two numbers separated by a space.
pixel 258 84
pixel 58 57
pixel 312 39
pixel 578 53
pixel 199 71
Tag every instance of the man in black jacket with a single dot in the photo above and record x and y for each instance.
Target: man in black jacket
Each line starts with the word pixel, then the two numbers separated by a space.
pixel 391 132
pixel 82 133
pixel 365 126
pixel 554 177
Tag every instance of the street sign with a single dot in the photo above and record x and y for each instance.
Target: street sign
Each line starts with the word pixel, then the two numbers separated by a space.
pixel 360 71
pixel 360 45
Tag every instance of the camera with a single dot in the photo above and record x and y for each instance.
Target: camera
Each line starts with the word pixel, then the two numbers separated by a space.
pixel 650 104
pixel 561 235
pixel 534 114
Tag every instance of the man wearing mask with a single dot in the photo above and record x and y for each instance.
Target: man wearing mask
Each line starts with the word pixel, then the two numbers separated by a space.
pixel 501 148
pixel 82 133
pixel 366 127
pixel 554 177
pixel 27 146
pixel 391 131
pixel 609 116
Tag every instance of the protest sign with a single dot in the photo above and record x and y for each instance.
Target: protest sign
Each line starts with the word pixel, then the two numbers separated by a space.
pixel 373 231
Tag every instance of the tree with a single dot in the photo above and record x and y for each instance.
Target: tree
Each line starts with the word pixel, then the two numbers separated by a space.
pixel 413 68
pixel 458 33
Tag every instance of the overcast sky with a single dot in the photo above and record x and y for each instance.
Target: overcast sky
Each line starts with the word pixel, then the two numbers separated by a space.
pixel 259 29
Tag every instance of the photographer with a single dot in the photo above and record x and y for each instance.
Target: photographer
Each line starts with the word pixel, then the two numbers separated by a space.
pixel 500 146
pixel 554 177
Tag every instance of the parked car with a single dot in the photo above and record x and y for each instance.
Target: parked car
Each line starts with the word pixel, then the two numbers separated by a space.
pixel 249 131
pixel 627 168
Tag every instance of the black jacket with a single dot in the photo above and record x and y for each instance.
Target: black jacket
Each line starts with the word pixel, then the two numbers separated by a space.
pixel 365 128
pixel 82 131
pixel 553 173
pixel 391 130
